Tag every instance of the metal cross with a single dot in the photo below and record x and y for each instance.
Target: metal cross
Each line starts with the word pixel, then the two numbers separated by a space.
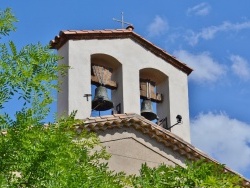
pixel 122 21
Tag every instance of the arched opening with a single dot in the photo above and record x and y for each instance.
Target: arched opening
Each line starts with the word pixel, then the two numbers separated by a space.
pixel 154 95
pixel 105 77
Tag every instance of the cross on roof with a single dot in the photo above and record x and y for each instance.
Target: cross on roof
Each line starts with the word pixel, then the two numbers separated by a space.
pixel 122 21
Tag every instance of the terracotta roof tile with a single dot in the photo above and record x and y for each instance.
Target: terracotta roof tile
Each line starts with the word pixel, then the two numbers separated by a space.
pixel 111 118
pixel 105 31
pixel 89 121
pixel 65 32
pixel 124 115
pixel 81 32
pixel 100 120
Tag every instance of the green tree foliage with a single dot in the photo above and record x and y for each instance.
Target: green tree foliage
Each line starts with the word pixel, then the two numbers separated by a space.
pixel 54 156
pixel 29 74
pixel 31 154
pixel 196 174
pixel 7 20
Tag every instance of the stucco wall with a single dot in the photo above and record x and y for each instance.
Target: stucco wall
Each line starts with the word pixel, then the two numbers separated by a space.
pixel 130 149
pixel 133 58
pixel 63 95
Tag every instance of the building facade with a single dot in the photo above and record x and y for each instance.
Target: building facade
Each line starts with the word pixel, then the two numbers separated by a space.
pixel 137 73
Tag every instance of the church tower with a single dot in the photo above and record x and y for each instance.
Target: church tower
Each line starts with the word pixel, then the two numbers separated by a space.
pixel 141 77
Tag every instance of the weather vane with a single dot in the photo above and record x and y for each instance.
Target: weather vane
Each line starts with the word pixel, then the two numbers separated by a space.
pixel 122 21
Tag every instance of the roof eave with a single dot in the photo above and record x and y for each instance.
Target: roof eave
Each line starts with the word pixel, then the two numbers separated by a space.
pixel 141 124
pixel 66 35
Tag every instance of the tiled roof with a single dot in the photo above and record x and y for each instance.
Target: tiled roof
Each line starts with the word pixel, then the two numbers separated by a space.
pixel 154 131
pixel 66 35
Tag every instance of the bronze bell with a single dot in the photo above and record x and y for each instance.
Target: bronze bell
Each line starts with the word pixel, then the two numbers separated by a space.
pixel 101 101
pixel 147 110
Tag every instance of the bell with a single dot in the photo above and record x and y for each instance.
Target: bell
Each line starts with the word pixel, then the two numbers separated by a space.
pixel 101 101
pixel 146 110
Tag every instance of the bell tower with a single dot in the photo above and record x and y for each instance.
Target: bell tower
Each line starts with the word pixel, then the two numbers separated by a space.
pixel 131 75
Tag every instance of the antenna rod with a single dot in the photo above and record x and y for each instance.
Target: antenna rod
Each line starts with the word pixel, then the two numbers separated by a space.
pixel 122 21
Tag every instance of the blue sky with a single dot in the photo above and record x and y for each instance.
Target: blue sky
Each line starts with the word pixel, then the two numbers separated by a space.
pixel 212 37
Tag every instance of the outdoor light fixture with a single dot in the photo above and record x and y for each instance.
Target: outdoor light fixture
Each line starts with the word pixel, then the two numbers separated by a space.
pixel 178 119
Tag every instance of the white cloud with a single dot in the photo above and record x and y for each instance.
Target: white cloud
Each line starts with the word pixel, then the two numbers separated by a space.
pixel 206 69
pixel 201 9
pixel 240 67
pixel 210 32
pixel 225 139
pixel 157 27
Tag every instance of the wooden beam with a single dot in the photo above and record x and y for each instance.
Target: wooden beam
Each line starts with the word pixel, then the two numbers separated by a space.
pixel 147 91
pixel 155 97
pixel 110 84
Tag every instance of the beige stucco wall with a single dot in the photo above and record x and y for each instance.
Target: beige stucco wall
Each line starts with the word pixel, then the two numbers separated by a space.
pixel 129 149
pixel 63 95
pixel 133 58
